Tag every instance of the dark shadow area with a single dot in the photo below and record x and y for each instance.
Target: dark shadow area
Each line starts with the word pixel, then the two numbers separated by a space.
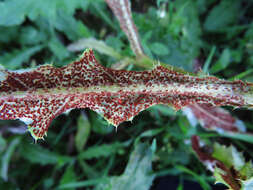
pixel 172 183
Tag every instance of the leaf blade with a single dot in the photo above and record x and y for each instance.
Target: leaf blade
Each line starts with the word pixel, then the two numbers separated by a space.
pixel 45 92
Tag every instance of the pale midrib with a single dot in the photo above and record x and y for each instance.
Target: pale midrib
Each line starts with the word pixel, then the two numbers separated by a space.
pixel 170 89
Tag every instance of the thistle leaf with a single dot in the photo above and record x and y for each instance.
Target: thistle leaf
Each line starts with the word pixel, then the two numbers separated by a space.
pixel 37 96
pixel 122 10
pixel 229 156
pixel 213 118
pixel 210 117
pixel 227 164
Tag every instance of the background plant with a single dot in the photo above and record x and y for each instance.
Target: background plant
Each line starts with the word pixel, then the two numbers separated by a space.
pixel 193 34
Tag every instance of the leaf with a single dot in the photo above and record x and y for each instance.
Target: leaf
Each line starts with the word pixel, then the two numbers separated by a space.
pixel 247 170
pixel 247 137
pixel 115 42
pixel 213 118
pixel 163 110
pixel 37 96
pixel 137 174
pixel 159 48
pixel 14 59
pixel 229 156
pixel 14 12
pixel 8 34
pixel 58 49
pixel 68 176
pixel 185 25
pixel 92 43
pixel 99 124
pixel 223 62
pixel 83 131
pixel 104 150
pixel 30 36
pixel 40 155
pixel 227 164
pixel 122 10
pixel 218 173
pixel 223 14
pixel 71 27
pixel 85 183
pixel 176 54
pixel 3 144
pixel 5 160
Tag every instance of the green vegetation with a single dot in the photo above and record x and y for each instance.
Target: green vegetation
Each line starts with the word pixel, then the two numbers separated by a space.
pixel 81 149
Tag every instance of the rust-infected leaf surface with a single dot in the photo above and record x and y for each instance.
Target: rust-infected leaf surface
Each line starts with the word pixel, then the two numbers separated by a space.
pixel 213 118
pixel 37 96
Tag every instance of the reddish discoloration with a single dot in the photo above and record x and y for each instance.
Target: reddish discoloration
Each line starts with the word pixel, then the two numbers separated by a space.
pixel 215 118
pixel 121 9
pixel 229 176
pixel 43 93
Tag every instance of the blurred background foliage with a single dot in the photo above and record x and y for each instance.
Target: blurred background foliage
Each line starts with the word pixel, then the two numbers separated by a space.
pixel 81 150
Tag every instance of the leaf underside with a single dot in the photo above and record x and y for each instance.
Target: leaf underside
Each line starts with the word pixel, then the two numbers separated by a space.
pixel 213 118
pixel 39 95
